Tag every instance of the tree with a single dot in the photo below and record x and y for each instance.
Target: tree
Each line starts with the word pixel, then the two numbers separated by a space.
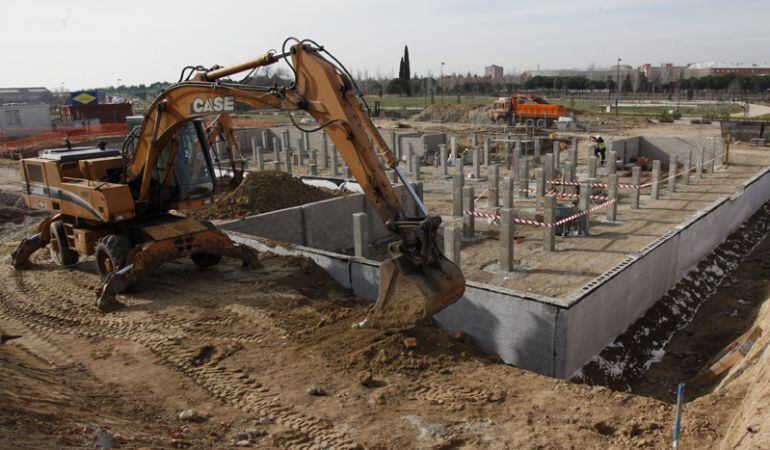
pixel 626 86
pixel 407 75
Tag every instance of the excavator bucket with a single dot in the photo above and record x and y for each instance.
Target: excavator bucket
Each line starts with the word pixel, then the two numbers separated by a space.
pixel 409 293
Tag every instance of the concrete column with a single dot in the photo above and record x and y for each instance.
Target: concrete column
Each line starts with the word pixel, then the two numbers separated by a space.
pixel 300 149
pixel 508 190
pixel 612 193
pixel 360 235
pixel 443 160
pixel 468 205
pixel 419 190
pixel 267 139
pixel 459 167
pixel 324 160
pixel 260 160
pixel 452 240
pixel 612 163
pixel 520 147
pixel 393 141
pixel 348 174
pixel 686 169
pixel 699 160
pixel 313 167
pixel 287 161
pixel 476 164
pixel 410 158
pixel 276 165
pixel 523 178
pixel 254 146
pixel 672 163
pixel 548 166
pixel 487 149
pixel 453 145
pixel 636 178
pixel 584 203
pixel 539 183
pixel 493 198
pixel 506 150
pixel 538 149
pixel 573 152
pixel 549 216
pixel 515 161
pixel 593 161
pixel 286 142
pixel 655 186
pixel 416 169
pixel 276 149
pixel 568 171
pixel 506 240
pixel 474 140
pixel 556 155
pixel 335 168
pixel 457 195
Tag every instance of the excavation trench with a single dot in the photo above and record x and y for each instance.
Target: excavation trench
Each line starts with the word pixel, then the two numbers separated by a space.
pixel 711 306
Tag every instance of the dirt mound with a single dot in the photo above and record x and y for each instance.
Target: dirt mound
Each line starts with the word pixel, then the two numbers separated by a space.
pixel 262 192
pixel 454 113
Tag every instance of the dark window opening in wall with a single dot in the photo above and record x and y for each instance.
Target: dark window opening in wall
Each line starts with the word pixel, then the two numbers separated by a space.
pixel 12 117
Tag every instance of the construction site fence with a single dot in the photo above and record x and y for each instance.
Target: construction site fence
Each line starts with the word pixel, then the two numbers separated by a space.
pixel 56 136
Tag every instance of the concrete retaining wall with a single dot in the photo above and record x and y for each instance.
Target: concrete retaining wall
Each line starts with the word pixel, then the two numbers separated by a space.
pixel 325 225
pixel 550 336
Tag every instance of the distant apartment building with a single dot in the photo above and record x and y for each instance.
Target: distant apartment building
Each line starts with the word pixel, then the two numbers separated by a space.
pixel 722 68
pixel 600 73
pixel 494 72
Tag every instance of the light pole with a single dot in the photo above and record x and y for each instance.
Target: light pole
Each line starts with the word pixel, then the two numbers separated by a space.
pixel 441 82
pixel 617 90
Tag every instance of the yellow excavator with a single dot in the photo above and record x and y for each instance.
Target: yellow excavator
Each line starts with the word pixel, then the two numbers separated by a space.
pixel 120 205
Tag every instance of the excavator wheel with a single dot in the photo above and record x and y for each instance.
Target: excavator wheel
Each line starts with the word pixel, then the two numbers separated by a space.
pixel 204 260
pixel 111 254
pixel 60 249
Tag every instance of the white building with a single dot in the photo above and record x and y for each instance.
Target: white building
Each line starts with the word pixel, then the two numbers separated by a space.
pixel 23 120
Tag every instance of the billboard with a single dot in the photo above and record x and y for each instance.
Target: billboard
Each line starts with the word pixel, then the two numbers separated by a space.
pixel 84 98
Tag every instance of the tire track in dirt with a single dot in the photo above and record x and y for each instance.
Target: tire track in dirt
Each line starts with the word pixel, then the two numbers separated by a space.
pixel 36 304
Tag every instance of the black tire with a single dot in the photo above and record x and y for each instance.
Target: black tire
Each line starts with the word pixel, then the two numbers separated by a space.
pixel 111 253
pixel 59 247
pixel 204 260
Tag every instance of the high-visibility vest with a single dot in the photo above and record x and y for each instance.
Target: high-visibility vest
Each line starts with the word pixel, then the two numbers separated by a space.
pixel 602 145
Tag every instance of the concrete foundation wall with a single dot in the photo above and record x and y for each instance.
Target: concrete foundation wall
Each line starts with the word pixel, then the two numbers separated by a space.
pixel 550 336
pixel 597 317
pixel 325 225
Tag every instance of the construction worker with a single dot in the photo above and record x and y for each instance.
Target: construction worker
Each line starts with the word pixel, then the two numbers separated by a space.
pixel 600 149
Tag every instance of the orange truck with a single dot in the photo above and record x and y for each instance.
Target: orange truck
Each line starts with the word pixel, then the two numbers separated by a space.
pixel 525 108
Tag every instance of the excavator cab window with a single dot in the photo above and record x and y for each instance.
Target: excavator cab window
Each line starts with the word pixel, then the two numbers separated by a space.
pixel 193 175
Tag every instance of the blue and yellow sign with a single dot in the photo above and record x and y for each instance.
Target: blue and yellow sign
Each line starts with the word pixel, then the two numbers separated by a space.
pixel 84 98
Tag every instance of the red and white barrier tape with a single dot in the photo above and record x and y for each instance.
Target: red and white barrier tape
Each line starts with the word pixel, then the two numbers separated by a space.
pixel 496 217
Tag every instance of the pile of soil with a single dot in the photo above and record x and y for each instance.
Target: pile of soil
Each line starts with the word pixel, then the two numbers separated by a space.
pixel 454 113
pixel 262 192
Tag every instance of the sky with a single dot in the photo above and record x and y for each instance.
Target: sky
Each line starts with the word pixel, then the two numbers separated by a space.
pixel 75 44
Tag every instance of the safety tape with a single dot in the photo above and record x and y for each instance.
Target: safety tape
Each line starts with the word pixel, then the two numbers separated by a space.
pixel 496 217
pixel 626 185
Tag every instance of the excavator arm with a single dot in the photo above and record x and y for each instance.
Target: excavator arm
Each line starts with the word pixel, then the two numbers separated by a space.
pixel 418 281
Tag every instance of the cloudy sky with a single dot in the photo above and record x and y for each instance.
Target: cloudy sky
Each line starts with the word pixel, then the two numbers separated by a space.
pixel 84 43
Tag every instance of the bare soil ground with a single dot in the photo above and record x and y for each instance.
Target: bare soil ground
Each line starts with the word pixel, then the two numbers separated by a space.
pixel 269 359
